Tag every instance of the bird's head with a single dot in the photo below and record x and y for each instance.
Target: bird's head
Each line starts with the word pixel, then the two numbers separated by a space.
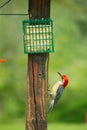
pixel 64 78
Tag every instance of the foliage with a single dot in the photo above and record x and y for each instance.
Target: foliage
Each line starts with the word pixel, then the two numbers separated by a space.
pixel 70 36
pixel 70 52
pixel 61 126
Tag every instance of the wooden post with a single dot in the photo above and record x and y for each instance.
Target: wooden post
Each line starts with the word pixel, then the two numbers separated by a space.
pixel 86 118
pixel 36 116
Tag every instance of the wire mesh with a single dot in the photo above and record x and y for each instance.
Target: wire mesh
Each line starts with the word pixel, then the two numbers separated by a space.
pixel 38 36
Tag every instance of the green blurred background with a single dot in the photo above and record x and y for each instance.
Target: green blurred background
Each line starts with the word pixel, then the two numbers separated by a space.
pixel 70 58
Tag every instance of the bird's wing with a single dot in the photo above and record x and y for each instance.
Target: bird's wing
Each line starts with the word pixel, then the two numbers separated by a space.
pixel 54 102
pixel 58 94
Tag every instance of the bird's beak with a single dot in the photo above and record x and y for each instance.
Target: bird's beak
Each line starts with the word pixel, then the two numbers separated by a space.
pixel 60 74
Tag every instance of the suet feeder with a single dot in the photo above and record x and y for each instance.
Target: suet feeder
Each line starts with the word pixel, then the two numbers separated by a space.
pixel 38 36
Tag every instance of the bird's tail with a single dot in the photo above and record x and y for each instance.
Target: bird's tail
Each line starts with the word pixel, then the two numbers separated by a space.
pixel 51 106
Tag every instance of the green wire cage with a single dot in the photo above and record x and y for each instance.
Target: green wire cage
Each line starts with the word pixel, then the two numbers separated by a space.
pixel 38 36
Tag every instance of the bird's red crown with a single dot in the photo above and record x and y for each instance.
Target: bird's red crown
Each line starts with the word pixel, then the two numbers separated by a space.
pixel 65 79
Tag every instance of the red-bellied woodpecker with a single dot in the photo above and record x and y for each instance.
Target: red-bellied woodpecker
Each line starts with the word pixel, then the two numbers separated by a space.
pixel 57 90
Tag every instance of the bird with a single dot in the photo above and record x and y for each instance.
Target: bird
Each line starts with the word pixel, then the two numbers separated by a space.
pixel 57 90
